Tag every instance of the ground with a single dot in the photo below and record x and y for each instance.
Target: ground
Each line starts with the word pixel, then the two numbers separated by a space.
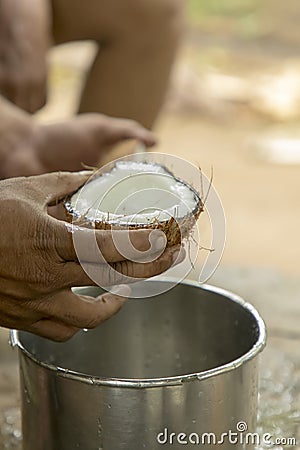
pixel 229 92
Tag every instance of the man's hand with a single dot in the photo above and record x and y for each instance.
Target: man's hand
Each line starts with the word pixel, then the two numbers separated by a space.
pixel 25 31
pixel 33 149
pixel 38 263
pixel 85 139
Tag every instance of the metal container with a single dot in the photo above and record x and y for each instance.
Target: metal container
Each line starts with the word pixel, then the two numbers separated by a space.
pixel 176 370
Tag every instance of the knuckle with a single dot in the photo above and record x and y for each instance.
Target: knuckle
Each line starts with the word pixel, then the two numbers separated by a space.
pixel 118 271
pixel 44 237
pixel 113 275
pixel 46 274
pixel 108 273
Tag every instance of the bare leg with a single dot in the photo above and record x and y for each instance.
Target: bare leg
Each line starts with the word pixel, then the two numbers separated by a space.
pixel 137 45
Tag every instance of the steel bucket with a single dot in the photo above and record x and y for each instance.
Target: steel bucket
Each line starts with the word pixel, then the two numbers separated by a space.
pixel 173 371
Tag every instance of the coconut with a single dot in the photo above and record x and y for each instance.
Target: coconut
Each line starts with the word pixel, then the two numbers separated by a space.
pixel 137 195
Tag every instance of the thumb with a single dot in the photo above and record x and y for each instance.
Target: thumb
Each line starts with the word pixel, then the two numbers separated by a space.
pixel 122 129
pixel 67 312
pixel 51 188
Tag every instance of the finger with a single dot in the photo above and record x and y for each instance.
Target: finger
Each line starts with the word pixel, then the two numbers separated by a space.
pixel 122 129
pixel 80 311
pixel 170 258
pixel 51 329
pixel 51 188
pixel 58 212
pixel 73 274
pixel 98 246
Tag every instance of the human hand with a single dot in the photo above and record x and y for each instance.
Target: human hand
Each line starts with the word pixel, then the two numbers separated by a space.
pixel 68 145
pixel 38 263
pixel 84 139
pixel 24 42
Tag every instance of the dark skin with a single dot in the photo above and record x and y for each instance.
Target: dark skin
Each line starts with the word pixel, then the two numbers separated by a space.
pixel 25 37
pixel 29 148
pixel 137 41
pixel 128 79
pixel 38 263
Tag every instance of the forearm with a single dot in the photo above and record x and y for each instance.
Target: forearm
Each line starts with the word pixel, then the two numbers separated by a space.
pixel 39 13
pixel 25 37
pixel 15 127
pixel 11 11
pixel 29 20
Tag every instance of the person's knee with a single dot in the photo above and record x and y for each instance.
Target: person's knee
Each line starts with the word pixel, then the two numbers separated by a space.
pixel 154 19
pixel 166 11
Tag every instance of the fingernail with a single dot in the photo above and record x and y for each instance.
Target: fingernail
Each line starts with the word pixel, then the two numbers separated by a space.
pixel 158 241
pixel 160 244
pixel 123 290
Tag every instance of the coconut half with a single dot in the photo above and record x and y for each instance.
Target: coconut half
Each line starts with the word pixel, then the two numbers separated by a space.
pixel 135 195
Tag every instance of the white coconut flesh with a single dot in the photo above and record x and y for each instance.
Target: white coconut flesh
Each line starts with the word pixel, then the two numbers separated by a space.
pixel 135 193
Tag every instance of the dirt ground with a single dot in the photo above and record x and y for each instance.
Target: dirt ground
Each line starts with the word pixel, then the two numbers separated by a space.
pixel 261 199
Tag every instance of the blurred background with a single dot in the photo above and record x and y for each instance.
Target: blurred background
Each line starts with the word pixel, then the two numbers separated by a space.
pixel 234 105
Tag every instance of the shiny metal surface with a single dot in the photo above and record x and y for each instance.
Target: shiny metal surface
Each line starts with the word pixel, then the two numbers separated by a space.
pixel 184 361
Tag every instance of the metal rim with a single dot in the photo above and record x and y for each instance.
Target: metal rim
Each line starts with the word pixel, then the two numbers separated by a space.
pixel 165 381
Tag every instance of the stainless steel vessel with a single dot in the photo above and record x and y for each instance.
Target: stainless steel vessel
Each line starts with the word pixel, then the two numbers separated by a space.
pixel 173 371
